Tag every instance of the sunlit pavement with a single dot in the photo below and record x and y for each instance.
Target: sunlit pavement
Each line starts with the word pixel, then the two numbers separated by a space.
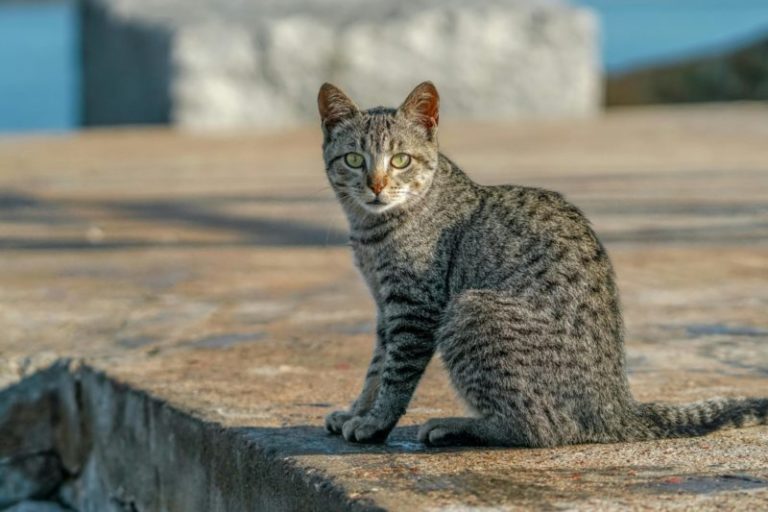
pixel 211 273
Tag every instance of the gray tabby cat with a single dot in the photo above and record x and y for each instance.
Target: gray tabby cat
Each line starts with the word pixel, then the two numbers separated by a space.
pixel 509 283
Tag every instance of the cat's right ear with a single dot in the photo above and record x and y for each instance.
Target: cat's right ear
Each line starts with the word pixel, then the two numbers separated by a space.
pixel 423 106
pixel 334 107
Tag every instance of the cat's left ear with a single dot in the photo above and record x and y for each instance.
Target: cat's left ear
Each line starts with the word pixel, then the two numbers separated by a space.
pixel 334 107
pixel 423 106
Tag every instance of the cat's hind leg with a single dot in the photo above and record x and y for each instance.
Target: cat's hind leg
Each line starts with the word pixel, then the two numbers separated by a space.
pixel 484 431
pixel 499 352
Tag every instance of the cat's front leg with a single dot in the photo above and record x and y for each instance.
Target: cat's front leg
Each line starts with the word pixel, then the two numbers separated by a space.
pixel 335 420
pixel 408 349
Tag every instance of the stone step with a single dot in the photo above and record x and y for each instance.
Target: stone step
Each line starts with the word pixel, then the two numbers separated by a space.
pixel 203 287
pixel 108 446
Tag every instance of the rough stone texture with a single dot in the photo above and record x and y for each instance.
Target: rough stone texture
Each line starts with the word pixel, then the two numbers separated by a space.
pixel 741 74
pixel 31 421
pixel 29 476
pixel 205 284
pixel 229 64
pixel 36 506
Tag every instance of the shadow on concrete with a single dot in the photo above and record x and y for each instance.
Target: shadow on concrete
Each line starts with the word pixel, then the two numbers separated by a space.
pixel 656 208
pixel 197 212
pixel 747 233
pixel 71 244
pixel 21 208
pixel 211 214
pixel 256 231
pixel 314 440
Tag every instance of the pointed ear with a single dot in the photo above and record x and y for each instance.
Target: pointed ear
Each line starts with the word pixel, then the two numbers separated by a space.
pixel 423 105
pixel 334 107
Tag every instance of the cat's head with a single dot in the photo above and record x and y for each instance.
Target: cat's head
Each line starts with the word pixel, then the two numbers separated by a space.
pixel 381 158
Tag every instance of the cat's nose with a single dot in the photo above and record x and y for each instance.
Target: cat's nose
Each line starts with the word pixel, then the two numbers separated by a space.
pixel 377 184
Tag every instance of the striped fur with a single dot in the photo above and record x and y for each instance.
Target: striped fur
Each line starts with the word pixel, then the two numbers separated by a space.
pixel 509 283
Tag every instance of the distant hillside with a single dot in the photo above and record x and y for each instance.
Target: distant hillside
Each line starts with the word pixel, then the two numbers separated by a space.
pixel 737 75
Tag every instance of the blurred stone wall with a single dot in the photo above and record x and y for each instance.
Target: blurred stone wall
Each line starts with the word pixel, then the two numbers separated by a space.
pixel 202 64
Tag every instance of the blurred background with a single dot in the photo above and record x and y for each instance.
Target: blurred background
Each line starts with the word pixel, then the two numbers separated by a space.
pixel 65 64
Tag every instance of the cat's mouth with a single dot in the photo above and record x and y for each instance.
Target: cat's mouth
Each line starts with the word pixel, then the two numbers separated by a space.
pixel 377 205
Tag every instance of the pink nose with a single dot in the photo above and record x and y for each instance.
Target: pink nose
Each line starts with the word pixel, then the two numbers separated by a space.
pixel 377 185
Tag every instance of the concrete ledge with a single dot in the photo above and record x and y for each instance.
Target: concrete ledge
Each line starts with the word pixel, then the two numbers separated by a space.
pixel 110 447
pixel 206 282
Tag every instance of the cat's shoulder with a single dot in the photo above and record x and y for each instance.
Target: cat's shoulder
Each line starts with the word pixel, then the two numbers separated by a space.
pixel 535 202
pixel 511 196
pixel 526 195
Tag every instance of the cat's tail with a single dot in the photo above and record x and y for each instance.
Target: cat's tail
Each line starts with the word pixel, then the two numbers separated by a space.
pixel 699 418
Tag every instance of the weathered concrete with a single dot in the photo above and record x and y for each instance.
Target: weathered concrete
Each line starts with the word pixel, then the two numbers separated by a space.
pixel 225 64
pixel 204 284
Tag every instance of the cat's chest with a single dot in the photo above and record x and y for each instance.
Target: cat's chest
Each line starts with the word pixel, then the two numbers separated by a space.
pixel 366 261
pixel 386 266
pixel 413 249
pixel 374 262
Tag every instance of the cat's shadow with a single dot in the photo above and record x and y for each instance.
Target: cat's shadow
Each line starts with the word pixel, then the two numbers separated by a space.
pixel 313 440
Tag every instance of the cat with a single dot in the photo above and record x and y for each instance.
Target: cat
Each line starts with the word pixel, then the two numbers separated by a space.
pixel 508 283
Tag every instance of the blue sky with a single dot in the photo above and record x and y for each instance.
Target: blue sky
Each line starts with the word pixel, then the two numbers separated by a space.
pixel 639 32
pixel 38 66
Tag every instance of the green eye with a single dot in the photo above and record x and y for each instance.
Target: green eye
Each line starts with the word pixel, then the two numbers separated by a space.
pixel 354 160
pixel 400 161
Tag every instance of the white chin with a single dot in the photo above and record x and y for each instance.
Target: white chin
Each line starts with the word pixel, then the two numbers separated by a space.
pixel 378 207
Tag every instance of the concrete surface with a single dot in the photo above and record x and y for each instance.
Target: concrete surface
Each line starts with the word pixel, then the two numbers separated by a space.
pixel 226 64
pixel 203 287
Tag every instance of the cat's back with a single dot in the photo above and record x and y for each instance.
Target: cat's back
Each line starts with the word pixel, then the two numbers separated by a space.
pixel 530 236
pixel 517 213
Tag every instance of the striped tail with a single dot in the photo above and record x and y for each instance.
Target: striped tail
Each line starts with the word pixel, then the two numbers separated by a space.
pixel 699 418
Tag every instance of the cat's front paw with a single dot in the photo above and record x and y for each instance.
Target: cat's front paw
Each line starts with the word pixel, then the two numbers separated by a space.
pixel 336 420
pixel 366 429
